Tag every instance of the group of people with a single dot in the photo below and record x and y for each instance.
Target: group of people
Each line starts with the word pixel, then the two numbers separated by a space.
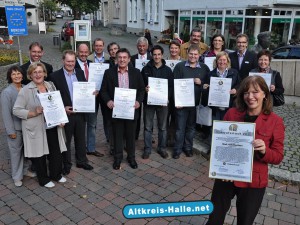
pixel 250 101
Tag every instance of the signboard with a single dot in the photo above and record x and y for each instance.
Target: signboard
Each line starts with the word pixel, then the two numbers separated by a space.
pixel 11 2
pixel 16 20
pixel 82 29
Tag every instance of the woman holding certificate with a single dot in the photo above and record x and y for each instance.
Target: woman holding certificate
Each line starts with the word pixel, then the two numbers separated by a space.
pixel 254 105
pixel 40 143
pixel 264 59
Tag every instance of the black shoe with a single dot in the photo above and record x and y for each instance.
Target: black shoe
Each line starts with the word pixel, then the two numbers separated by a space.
pixel 133 164
pixel 66 171
pixel 163 154
pixel 84 166
pixel 95 153
pixel 146 155
pixel 176 156
pixel 189 153
pixel 117 165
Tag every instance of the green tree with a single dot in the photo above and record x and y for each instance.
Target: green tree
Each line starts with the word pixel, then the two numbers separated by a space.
pixel 47 7
pixel 78 7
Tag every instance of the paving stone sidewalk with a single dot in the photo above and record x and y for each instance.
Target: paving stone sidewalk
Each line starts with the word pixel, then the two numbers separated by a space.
pixel 98 196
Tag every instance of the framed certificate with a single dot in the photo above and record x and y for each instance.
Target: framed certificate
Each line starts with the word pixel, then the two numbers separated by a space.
pixel 184 92
pixel 96 73
pixel 158 91
pixel 124 101
pixel 53 108
pixel 140 63
pixel 232 151
pixel 172 63
pixel 83 97
pixel 82 30
pixel 219 91
pixel 267 77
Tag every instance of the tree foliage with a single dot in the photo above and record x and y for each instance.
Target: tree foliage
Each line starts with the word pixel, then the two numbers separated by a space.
pixel 47 7
pixel 78 7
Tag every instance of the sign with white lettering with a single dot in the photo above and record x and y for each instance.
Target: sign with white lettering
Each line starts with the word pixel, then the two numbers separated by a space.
pixel 16 20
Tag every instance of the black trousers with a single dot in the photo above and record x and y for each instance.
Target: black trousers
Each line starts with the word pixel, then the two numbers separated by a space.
pixel 124 128
pixel 248 202
pixel 76 127
pixel 54 158
pixel 138 122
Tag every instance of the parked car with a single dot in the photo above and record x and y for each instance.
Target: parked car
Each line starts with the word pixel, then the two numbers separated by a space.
pixel 67 30
pixel 59 16
pixel 287 52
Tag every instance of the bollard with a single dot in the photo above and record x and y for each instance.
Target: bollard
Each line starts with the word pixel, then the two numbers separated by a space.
pixel 56 39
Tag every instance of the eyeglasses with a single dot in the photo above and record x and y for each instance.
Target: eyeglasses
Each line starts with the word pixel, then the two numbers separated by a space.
pixel 218 40
pixel 242 42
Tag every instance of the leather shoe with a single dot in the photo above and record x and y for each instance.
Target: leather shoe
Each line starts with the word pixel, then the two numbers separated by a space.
pixel 145 155
pixel 133 164
pixel 95 153
pixel 176 156
pixel 84 166
pixel 163 154
pixel 66 171
pixel 189 153
pixel 117 165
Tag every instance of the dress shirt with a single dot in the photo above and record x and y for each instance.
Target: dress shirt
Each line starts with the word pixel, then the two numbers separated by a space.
pixel 70 78
pixel 123 78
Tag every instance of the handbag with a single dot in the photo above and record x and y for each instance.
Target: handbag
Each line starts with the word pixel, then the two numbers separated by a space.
pixel 203 115
pixel 278 100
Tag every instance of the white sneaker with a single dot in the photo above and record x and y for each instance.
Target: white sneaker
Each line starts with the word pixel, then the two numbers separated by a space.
pixel 18 183
pixel 49 185
pixel 62 180
pixel 30 174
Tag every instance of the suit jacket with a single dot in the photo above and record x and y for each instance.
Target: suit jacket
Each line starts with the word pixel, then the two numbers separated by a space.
pixel 110 81
pixel 136 56
pixel 270 129
pixel 249 63
pixel 59 80
pixel 25 67
pixel 91 57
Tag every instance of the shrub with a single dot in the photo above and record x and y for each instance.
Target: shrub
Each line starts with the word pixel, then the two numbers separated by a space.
pixel 9 56
pixel 66 46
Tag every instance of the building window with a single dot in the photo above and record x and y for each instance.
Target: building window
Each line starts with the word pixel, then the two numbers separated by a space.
pixel 135 11
pixel 156 11
pixel 117 9
pixel 130 11
pixel 150 11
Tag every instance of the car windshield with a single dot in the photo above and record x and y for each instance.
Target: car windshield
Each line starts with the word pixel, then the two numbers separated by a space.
pixel 71 25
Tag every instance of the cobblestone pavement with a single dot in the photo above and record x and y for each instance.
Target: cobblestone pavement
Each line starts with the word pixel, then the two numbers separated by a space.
pixel 98 196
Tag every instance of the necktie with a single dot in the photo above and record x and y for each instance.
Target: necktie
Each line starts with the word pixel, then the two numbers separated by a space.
pixel 86 71
pixel 143 57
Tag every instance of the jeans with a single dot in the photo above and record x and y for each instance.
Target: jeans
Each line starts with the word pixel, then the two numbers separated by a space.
pixel 106 115
pixel 162 115
pixel 185 129
pixel 91 122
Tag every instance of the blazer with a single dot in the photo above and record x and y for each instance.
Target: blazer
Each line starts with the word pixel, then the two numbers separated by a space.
pixel 25 67
pixel 270 129
pixel 59 80
pixel 136 56
pixel 249 63
pixel 8 99
pixel 110 81
pixel 33 129
pixel 91 57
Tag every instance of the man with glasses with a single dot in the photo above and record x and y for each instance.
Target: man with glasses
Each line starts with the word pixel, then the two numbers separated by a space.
pixel 195 38
pixel 243 60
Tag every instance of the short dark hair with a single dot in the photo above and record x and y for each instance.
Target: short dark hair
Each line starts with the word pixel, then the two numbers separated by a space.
pixel 266 53
pixel 157 47
pixel 194 47
pixel 255 81
pixel 33 44
pixel 212 41
pixel 11 70
pixel 242 35
pixel 196 29
pixel 98 39
pixel 111 44
pixel 123 50
pixel 174 42
pixel 69 52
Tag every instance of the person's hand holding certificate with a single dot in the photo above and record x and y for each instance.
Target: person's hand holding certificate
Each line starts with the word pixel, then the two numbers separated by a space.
pixel 84 97
pixel 53 108
pixel 158 91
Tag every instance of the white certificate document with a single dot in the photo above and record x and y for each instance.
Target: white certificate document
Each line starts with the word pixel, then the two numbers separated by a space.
pixel 53 108
pixel 124 102
pixel 140 63
pixel 96 73
pixel 184 92
pixel 209 61
pixel 266 76
pixel 232 151
pixel 172 63
pixel 158 91
pixel 83 97
pixel 219 91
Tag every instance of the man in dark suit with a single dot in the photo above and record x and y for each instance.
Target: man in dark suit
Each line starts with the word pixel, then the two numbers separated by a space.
pixel 63 80
pixel 36 52
pixel 83 63
pixel 243 60
pixel 123 76
pixel 143 54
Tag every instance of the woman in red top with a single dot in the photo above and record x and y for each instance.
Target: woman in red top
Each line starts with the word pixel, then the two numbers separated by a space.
pixel 253 104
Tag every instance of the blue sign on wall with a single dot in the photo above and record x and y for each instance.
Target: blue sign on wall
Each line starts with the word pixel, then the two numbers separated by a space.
pixel 16 20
